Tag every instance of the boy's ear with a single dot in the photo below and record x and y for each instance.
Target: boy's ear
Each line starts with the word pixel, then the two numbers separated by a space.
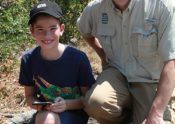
pixel 32 31
pixel 62 27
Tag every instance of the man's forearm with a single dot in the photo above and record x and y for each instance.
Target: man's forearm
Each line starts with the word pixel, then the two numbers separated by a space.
pixel 164 90
pixel 93 42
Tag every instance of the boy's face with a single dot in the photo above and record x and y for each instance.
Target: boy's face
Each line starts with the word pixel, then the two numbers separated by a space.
pixel 47 31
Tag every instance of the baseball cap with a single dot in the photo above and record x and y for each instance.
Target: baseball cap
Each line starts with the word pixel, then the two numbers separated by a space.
pixel 47 7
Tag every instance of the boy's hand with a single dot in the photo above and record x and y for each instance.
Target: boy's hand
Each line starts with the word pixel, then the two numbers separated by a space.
pixel 39 107
pixel 58 106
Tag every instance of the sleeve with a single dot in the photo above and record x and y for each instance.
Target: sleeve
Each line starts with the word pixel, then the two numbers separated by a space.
pixel 166 33
pixel 86 23
pixel 86 77
pixel 25 76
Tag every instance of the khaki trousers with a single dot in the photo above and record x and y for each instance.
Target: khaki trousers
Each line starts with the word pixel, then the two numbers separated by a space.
pixel 113 100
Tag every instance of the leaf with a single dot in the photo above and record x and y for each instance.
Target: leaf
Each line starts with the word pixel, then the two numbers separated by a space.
pixel 1 96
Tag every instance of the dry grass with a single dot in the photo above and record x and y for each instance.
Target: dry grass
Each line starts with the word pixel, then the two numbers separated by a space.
pixel 12 98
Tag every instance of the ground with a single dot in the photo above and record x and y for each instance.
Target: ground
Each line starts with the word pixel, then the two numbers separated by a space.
pixel 12 98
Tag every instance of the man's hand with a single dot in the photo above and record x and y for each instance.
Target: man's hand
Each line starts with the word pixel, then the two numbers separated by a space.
pixel 154 119
pixel 104 63
pixel 40 107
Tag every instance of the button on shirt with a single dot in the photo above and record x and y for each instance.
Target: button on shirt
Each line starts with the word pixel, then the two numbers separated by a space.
pixel 136 41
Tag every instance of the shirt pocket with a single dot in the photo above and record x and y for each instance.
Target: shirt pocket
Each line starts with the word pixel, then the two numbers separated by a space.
pixel 144 41
pixel 106 33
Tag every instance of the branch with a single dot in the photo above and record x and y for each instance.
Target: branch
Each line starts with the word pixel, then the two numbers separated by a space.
pixel 19 118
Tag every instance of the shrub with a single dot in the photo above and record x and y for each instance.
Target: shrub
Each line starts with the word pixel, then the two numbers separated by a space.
pixel 14 33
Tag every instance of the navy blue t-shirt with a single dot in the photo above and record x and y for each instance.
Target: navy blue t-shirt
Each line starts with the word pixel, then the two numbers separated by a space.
pixel 52 78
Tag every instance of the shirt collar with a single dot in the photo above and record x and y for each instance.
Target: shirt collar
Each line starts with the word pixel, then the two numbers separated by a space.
pixel 130 6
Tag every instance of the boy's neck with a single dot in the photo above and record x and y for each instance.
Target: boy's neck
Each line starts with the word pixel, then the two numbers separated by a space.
pixel 53 54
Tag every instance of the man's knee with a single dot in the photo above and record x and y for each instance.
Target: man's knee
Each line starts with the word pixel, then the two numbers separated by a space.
pixel 96 106
pixel 105 99
pixel 104 112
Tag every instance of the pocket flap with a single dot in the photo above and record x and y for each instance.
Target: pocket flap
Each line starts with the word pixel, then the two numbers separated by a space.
pixel 140 30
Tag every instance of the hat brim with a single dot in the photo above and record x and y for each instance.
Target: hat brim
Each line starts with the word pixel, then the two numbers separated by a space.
pixel 44 12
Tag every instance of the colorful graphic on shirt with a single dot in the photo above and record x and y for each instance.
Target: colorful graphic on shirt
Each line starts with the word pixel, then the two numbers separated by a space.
pixel 51 92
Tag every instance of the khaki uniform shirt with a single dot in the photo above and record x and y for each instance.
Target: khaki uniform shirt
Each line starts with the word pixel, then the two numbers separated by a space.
pixel 136 41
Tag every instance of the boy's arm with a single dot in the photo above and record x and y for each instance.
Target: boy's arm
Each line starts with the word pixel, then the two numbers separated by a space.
pixel 76 103
pixel 31 97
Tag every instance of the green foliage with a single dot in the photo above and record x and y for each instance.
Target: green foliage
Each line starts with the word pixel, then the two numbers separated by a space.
pixel 3 91
pixel 1 95
pixel 71 11
pixel 14 30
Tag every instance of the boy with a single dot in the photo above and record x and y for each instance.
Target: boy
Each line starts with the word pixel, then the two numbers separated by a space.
pixel 53 71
